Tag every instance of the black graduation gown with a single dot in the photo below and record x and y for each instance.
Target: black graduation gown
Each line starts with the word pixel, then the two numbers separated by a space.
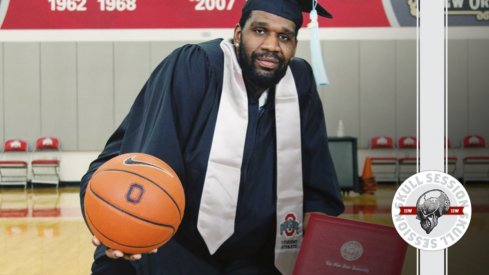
pixel 173 118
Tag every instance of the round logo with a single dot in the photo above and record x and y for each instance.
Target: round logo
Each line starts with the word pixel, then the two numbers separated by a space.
pixel 431 210
pixel 351 250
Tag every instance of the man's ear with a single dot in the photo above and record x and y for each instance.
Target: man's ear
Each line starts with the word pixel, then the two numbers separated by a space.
pixel 237 34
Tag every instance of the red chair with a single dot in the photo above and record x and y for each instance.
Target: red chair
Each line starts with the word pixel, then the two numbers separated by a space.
pixel 384 164
pixel 408 162
pixel 45 168
pixel 475 161
pixel 13 166
pixel 407 142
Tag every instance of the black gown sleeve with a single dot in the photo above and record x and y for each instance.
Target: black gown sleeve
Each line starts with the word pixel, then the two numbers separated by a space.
pixel 111 149
pixel 161 116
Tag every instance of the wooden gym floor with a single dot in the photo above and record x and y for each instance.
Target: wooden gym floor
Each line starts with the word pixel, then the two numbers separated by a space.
pixel 42 231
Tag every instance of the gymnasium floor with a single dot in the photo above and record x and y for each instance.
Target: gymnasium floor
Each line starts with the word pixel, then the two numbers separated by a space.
pixel 42 231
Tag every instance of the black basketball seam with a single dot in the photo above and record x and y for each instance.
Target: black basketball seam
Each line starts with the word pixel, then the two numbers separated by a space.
pixel 154 183
pixel 130 214
pixel 119 243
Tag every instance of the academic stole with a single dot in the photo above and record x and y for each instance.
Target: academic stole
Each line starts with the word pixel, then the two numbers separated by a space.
pixel 221 186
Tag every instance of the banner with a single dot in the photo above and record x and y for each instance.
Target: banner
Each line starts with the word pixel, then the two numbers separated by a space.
pixel 129 14
pixel 166 14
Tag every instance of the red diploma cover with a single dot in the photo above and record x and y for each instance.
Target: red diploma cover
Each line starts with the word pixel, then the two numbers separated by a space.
pixel 339 246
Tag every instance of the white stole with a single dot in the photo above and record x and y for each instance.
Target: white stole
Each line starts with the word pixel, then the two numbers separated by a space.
pixel 221 187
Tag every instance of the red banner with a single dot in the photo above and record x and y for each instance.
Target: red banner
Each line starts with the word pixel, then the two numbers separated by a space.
pixel 150 14
pixel 411 210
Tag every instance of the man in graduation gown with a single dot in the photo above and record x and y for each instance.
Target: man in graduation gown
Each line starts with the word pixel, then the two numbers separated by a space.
pixel 242 125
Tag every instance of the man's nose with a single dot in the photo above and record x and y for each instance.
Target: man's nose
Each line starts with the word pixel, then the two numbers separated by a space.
pixel 271 43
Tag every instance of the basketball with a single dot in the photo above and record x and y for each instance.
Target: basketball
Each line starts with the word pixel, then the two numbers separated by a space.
pixel 134 203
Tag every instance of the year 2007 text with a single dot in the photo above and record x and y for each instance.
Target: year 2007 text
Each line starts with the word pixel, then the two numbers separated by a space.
pixel 211 5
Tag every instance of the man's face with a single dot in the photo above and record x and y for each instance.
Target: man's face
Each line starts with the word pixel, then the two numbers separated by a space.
pixel 267 42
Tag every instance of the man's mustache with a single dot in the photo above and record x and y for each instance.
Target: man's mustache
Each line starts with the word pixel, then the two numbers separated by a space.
pixel 268 55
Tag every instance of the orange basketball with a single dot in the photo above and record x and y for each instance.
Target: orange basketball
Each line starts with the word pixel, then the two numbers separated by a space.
pixel 134 203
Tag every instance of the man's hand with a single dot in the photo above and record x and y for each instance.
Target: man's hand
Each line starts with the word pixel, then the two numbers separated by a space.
pixel 116 254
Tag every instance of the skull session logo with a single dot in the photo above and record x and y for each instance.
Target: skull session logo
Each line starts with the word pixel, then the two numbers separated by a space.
pixel 431 210
pixel 429 207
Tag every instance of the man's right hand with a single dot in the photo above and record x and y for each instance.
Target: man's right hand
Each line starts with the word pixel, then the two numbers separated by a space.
pixel 116 254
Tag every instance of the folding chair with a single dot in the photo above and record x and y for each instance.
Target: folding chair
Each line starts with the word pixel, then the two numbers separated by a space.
pixel 407 163
pixel 384 167
pixel 475 163
pixel 45 169
pixel 13 166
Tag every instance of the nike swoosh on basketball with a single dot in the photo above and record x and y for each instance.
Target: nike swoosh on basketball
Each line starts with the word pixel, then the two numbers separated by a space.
pixel 131 161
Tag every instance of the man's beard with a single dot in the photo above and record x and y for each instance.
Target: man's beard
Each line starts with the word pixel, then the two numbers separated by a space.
pixel 250 72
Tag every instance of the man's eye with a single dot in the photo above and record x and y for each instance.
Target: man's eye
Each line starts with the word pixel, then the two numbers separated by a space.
pixel 284 37
pixel 259 31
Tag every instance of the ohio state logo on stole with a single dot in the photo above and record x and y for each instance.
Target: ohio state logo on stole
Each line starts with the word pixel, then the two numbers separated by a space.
pixel 431 210
pixel 290 230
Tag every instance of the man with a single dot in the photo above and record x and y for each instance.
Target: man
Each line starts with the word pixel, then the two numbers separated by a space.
pixel 242 125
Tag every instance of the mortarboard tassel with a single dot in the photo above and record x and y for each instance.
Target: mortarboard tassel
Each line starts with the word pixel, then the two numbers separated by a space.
pixel 316 56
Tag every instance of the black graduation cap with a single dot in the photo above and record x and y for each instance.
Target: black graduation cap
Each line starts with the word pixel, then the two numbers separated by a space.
pixel 290 9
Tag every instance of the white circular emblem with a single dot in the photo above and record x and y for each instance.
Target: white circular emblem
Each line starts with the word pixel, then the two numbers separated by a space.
pixel 351 250
pixel 431 210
